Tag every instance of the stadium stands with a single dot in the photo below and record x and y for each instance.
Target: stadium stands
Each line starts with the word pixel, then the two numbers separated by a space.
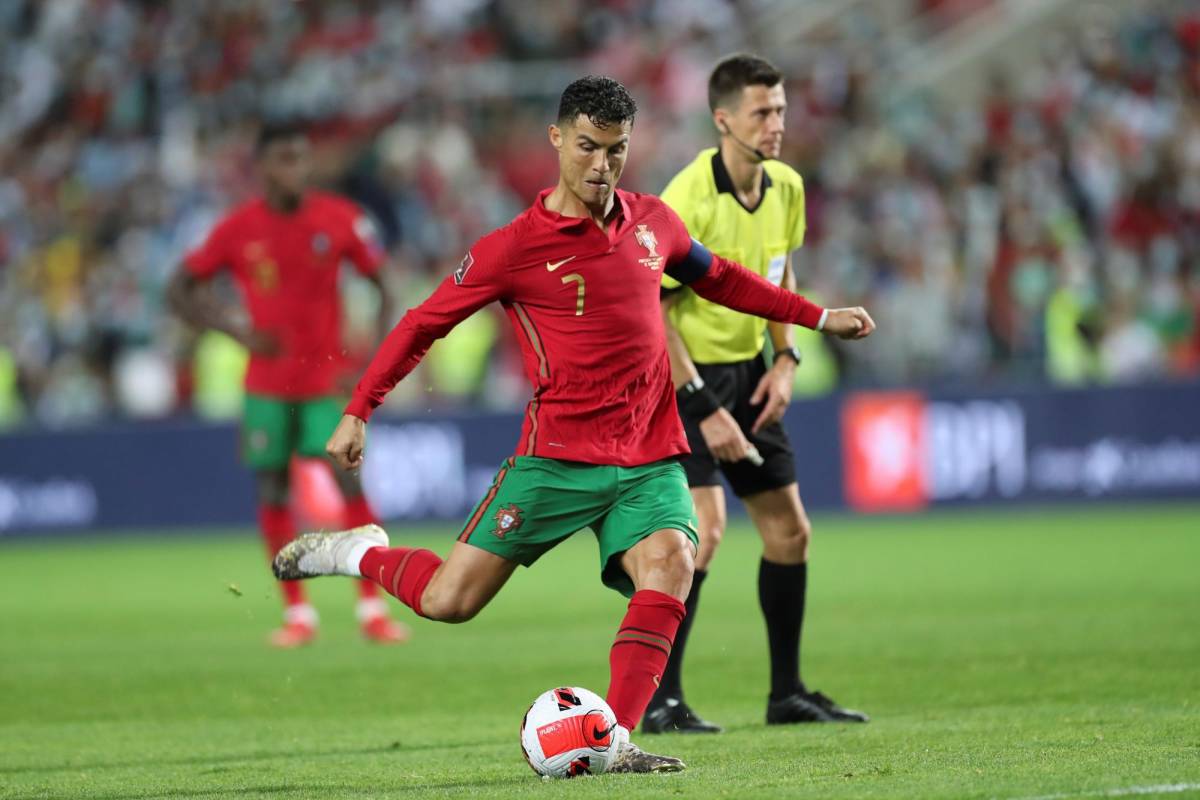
pixel 1048 232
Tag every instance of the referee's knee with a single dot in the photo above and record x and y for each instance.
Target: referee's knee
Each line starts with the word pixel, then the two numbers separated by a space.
pixel 786 541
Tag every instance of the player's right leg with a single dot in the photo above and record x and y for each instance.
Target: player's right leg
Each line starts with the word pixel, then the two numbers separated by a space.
pixel 454 590
pixel 533 504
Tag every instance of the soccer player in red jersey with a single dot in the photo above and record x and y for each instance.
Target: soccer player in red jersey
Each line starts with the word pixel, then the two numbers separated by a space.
pixel 578 274
pixel 285 250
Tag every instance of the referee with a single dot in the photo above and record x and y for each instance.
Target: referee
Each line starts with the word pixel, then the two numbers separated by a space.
pixel 742 205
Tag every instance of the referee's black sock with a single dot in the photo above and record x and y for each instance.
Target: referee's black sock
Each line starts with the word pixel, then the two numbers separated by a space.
pixel 781 591
pixel 672 677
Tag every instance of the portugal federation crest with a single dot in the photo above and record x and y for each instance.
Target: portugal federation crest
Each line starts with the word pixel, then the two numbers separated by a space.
pixel 508 519
pixel 646 238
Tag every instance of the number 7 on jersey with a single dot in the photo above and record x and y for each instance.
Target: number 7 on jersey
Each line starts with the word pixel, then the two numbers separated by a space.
pixel 575 277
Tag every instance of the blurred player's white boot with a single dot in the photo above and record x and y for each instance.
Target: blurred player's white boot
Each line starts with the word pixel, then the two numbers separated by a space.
pixel 376 625
pixel 299 627
pixel 336 553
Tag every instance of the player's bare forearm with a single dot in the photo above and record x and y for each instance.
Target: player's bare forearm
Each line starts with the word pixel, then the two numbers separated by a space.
pixel 683 369
pixel 189 298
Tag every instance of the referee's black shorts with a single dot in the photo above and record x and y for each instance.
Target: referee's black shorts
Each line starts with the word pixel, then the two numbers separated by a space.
pixel 733 384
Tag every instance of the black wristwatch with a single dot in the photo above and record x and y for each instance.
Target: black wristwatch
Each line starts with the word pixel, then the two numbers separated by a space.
pixel 791 352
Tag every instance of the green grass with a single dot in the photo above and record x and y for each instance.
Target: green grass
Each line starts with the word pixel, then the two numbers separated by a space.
pixel 1002 654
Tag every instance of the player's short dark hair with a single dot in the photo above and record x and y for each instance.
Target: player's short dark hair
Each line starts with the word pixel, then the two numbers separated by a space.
pixel 277 131
pixel 735 73
pixel 602 100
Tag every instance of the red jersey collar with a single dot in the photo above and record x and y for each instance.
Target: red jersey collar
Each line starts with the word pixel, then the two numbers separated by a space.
pixel 560 222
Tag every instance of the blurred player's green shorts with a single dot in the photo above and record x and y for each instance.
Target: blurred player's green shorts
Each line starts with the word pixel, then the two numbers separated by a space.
pixel 273 428
pixel 535 503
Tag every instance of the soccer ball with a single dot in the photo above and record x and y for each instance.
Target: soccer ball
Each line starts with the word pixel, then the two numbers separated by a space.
pixel 570 731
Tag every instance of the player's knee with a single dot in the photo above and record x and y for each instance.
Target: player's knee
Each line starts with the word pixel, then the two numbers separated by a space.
pixel 447 609
pixel 669 567
pixel 452 607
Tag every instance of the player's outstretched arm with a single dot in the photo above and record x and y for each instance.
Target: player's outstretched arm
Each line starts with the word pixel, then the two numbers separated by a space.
pixel 477 282
pixel 733 286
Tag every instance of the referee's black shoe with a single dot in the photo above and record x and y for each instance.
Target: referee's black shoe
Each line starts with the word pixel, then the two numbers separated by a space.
pixel 806 706
pixel 675 716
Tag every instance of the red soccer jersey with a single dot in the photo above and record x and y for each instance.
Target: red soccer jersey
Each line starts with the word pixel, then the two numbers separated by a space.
pixel 286 266
pixel 585 307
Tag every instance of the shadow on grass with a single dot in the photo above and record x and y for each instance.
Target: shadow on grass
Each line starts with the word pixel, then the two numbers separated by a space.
pixel 237 758
pixel 309 789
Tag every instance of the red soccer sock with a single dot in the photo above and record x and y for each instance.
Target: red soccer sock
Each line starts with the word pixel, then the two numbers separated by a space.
pixel 358 512
pixel 640 653
pixel 403 572
pixel 278 529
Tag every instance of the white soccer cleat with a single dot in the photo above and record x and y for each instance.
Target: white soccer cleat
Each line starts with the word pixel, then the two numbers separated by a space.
pixel 336 553
pixel 631 758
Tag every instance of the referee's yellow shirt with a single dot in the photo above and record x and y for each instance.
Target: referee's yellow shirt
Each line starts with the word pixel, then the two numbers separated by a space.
pixel 759 239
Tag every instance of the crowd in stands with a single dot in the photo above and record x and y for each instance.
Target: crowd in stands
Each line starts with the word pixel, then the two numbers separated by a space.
pixel 1047 231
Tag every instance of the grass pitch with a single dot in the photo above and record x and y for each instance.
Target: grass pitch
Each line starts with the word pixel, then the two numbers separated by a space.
pixel 1002 654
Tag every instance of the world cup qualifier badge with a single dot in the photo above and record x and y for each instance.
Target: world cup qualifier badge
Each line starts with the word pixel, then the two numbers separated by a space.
pixel 508 519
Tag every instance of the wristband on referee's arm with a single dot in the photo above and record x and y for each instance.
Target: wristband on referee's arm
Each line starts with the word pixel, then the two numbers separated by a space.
pixel 696 401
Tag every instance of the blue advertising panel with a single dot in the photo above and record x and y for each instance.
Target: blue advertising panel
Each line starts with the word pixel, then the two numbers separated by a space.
pixel 868 451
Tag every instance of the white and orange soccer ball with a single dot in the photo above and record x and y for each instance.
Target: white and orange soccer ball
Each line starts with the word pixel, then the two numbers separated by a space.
pixel 570 731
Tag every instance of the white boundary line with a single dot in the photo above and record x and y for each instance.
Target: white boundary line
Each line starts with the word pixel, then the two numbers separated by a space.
pixel 1128 791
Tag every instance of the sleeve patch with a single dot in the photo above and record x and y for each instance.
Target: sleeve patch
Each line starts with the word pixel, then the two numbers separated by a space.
pixel 461 273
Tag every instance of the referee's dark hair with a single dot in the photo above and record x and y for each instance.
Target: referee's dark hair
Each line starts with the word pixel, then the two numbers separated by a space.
pixel 735 73
pixel 277 131
pixel 602 100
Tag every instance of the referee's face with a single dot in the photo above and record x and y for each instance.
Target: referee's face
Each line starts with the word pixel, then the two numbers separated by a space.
pixel 757 118
pixel 591 158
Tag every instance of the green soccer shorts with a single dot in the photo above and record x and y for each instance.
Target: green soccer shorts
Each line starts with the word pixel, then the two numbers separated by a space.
pixel 274 428
pixel 534 503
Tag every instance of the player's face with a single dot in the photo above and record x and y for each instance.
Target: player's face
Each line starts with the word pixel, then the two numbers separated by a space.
pixel 758 118
pixel 590 158
pixel 285 166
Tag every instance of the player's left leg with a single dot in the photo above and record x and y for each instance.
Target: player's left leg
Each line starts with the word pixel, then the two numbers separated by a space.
pixel 783 524
pixel 317 419
pixel 647 550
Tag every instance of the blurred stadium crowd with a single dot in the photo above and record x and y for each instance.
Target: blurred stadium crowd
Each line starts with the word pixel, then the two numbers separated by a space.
pixel 1048 230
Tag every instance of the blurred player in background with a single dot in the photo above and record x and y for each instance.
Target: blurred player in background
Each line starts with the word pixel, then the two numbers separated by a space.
pixel 579 276
pixel 744 206
pixel 285 250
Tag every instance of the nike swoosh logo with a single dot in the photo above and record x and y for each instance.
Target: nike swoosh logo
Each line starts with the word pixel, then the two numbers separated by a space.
pixel 557 264
pixel 598 734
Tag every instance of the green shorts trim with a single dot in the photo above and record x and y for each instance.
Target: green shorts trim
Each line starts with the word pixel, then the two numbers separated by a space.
pixel 534 503
pixel 273 428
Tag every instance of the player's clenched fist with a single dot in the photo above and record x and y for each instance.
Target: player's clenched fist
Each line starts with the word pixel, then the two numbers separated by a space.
pixel 849 323
pixel 346 444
